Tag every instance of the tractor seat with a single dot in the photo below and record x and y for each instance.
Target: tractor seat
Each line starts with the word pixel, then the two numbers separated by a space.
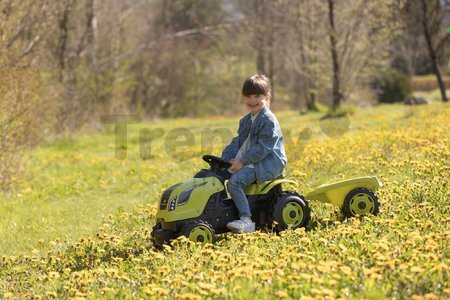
pixel 279 177
pixel 208 173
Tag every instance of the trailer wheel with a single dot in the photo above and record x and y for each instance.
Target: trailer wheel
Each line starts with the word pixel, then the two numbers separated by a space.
pixel 199 231
pixel 291 211
pixel 360 201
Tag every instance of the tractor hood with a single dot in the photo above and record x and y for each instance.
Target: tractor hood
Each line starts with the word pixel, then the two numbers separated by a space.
pixel 187 199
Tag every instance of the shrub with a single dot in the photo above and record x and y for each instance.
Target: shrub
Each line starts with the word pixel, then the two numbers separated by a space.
pixel 393 87
pixel 25 116
pixel 342 111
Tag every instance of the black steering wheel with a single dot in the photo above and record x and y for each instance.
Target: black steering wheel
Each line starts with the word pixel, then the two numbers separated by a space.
pixel 216 162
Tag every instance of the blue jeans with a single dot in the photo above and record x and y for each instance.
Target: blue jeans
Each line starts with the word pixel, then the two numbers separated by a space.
pixel 236 184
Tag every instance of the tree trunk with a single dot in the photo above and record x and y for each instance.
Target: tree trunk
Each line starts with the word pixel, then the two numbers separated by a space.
pixel 271 75
pixel 63 37
pixel 91 28
pixel 312 99
pixel 270 55
pixel 337 95
pixel 432 50
pixel 260 61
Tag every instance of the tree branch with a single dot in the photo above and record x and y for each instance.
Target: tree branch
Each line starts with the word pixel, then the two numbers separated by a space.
pixel 170 37
pixel 442 42
pixel 29 48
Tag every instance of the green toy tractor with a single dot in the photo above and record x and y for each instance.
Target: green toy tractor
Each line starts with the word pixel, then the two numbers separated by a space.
pixel 200 207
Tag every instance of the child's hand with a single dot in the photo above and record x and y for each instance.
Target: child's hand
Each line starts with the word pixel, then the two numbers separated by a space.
pixel 236 164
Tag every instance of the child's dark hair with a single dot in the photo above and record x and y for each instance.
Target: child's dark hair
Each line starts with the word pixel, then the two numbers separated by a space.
pixel 256 85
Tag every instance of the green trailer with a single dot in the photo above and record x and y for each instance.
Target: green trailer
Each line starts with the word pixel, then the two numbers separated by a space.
pixel 355 196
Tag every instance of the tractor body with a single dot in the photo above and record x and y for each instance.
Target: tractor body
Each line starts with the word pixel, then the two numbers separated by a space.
pixel 201 207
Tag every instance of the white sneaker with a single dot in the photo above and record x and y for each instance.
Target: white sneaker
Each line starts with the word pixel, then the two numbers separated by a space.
pixel 244 225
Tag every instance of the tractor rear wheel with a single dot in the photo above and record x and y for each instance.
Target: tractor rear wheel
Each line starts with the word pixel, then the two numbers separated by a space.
pixel 291 210
pixel 199 231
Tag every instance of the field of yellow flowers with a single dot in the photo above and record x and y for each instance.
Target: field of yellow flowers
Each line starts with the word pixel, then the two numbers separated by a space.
pixel 79 224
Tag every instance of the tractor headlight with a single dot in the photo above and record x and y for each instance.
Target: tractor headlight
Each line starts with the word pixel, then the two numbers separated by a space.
pixel 172 203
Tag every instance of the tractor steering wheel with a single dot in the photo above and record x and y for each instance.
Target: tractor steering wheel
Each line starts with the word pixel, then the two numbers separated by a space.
pixel 216 162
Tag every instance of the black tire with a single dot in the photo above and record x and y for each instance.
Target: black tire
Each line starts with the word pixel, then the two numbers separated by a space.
pixel 360 201
pixel 158 226
pixel 199 231
pixel 291 210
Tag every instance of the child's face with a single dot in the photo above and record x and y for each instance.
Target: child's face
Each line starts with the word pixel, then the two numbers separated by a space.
pixel 255 103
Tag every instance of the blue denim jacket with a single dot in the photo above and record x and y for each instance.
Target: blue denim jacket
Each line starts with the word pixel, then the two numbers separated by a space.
pixel 267 149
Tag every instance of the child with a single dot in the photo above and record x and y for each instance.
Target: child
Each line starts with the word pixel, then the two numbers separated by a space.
pixel 257 153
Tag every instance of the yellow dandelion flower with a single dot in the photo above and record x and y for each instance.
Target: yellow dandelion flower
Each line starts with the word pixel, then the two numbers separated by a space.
pixel 281 294
pixel 189 296
pixel 53 275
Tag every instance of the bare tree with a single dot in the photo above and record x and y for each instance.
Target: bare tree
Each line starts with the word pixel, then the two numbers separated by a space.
pixel 307 27
pixel 265 24
pixel 23 28
pixel 359 43
pixel 305 55
pixel 63 25
pixel 26 102
pixel 431 16
pixel 337 95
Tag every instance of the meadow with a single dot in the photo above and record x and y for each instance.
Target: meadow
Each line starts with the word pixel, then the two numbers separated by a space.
pixel 78 224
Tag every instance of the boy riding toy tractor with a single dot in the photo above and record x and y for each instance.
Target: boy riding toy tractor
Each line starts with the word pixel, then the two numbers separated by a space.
pixel 200 207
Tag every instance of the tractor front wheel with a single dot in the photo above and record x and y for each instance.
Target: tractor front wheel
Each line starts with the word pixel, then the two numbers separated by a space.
pixel 158 226
pixel 199 231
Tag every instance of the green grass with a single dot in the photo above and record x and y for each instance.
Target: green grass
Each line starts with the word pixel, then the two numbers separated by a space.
pixel 434 95
pixel 78 223
pixel 72 184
